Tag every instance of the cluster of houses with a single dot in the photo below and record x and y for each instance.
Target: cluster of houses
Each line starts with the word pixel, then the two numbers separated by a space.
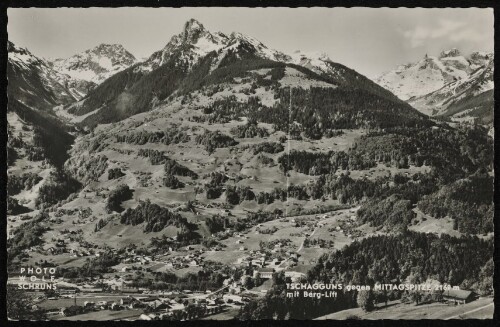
pixel 348 227
pixel 263 259
pixel 153 307
pixel 267 273
pixel 61 245
pixel 69 242
pixel 264 266
pixel 182 308
pixel 193 259
pixel 130 256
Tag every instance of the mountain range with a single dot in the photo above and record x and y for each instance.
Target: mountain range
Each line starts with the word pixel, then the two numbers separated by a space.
pixel 62 81
pixel 449 85
pixel 230 76
pixel 195 58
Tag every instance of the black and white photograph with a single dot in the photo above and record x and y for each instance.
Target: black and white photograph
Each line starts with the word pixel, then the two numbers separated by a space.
pixel 237 163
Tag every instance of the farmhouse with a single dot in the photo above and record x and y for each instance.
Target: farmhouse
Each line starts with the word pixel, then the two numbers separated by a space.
pixel 264 273
pixel 127 301
pixel 458 296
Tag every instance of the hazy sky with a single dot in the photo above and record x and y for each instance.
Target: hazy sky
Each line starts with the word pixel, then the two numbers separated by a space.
pixel 368 40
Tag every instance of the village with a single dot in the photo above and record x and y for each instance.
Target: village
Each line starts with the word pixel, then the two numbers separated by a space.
pixel 112 294
pixel 85 301
pixel 115 297
pixel 287 244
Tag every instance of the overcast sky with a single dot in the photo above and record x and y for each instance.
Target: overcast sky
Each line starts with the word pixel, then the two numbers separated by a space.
pixel 368 40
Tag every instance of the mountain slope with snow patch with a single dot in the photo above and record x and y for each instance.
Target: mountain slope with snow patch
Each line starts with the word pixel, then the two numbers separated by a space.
pixel 35 83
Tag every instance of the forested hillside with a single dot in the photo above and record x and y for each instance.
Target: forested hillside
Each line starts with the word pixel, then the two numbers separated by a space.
pixel 411 257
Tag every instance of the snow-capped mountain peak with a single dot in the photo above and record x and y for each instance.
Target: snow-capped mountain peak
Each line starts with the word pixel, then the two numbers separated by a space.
pixel 450 84
pixel 96 64
pixel 32 79
pixel 236 36
pixel 481 55
pixel 430 73
pixel 22 57
pixel 195 35
pixel 480 58
pixel 195 42
pixel 454 52
pixel 191 44
pixel 192 30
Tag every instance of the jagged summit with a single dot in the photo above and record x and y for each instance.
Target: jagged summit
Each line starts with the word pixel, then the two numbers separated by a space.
pixel 442 85
pixel 193 26
pixel 480 58
pixel 191 44
pixel 192 32
pixel 106 47
pixel 10 46
pixel 195 58
pixel 431 73
pixel 454 52
pixel 96 64
pixel 195 42
pixel 22 57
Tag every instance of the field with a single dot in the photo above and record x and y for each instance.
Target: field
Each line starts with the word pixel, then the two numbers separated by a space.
pixel 225 315
pixel 146 181
pixel 382 170
pixel 428 224
pixel 105 315
pixel 80 300
pixel 319 226
pixel 480 309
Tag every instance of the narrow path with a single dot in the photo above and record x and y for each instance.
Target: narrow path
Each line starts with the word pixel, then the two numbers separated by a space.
pixel 470 311
pixel 302 244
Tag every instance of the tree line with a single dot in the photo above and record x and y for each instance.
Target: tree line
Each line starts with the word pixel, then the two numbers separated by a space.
pixel 154 217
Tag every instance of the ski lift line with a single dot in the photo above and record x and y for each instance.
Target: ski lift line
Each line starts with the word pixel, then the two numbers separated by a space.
pixel 288 151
